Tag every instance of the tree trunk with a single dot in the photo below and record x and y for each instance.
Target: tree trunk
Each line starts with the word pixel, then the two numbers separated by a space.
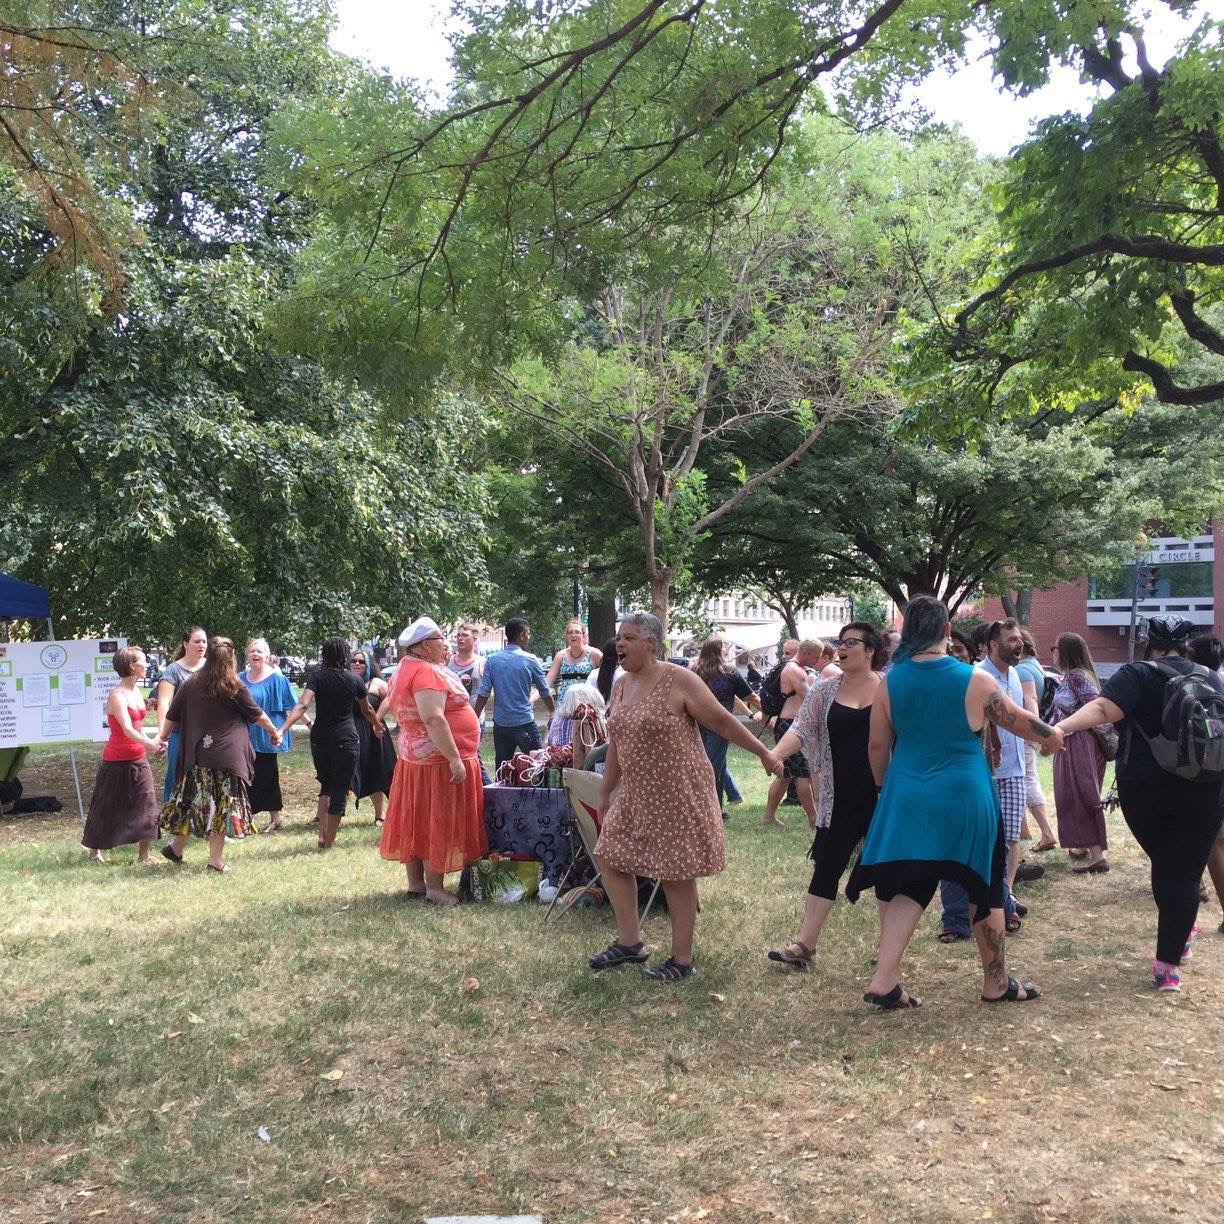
pixel 1018 606
pixel 1024 604
pixel 660 594
pixel 789 617
pixel 601 619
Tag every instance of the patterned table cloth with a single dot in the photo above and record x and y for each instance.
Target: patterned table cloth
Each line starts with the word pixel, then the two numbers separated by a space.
pixel 530 820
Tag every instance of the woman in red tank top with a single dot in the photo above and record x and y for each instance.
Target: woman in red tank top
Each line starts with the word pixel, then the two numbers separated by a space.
pixel 123 808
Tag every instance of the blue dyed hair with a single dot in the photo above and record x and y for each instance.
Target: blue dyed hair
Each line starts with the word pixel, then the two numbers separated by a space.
pixel 925 626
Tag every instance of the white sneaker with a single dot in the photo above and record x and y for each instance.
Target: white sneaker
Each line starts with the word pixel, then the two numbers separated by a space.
pixel 548 892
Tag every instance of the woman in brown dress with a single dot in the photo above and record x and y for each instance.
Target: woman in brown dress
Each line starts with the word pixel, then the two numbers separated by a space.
pixel 211 711
pixel 124 806
pixel 663 821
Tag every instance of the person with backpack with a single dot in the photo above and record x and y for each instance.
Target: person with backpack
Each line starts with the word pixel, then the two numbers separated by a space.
pixel 1169 769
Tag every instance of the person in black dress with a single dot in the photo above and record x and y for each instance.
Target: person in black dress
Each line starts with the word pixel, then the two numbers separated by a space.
pixel 376 754
pixel 334 744
pixel 832 729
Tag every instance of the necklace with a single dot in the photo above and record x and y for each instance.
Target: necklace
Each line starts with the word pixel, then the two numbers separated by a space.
pixel 935 654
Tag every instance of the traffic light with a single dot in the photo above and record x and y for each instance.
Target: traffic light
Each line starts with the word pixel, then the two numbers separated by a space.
pixel 1145 581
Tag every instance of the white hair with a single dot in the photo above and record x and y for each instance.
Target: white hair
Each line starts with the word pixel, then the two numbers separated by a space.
pixel 579 694
pixel 649 625
pixel 260 642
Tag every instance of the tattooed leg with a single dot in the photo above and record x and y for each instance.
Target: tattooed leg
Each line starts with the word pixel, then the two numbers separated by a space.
pixel 990 941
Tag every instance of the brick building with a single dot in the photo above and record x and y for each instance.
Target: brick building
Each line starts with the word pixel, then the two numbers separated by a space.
pixel 1187 584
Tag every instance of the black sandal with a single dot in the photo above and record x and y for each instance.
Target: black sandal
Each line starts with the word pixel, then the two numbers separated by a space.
pixel 168 853
pixel 1012 993
pixel 784 956
pixel 895 1000
pixel 617 954
pixel 951 937
pixel 669 971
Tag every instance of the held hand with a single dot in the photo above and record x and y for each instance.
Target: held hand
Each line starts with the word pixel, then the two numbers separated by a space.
pixel 379 729
pixel 1054 743
pixel 275 736
pixel 759 717
pixel 458 772
pixel 772 763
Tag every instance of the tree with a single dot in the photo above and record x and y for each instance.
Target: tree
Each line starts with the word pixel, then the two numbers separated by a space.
pixel 168 462
pixel 673 375
pixel 1110 227
pixel 1037 502
pixel 71 100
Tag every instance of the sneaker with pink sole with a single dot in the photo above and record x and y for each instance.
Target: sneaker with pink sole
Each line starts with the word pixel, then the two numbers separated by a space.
pixel 1188 950
pixel 1166 976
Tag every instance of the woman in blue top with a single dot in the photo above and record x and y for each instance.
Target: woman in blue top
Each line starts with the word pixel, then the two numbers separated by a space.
pixel 938 813
pixel 274 695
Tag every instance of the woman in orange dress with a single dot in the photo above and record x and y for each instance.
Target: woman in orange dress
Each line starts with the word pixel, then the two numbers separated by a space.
pixel 663 821
pixel 435 812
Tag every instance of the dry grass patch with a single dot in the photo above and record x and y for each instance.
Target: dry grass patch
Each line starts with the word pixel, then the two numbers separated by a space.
pixel 155 1021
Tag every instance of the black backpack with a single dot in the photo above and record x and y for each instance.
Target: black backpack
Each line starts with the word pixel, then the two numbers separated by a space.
pixel 771 696
pixel 1190 743
pixel 1045 701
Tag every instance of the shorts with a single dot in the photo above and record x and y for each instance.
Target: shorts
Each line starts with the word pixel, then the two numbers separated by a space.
pixel 795 765
pixel 1012 803
pixel 1033 794
pixel 335 763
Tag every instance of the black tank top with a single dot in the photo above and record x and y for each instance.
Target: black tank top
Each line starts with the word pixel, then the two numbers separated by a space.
pixel 852 779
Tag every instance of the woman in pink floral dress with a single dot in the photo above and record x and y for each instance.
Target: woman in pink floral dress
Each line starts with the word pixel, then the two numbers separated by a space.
pixel 660 814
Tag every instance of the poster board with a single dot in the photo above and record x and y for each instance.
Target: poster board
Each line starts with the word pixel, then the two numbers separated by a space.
pixel 55 692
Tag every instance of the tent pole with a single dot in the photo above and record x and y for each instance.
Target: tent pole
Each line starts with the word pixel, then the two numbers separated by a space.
pixel 76 773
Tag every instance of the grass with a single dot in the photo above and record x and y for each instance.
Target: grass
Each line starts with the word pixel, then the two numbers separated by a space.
pixel 156 1022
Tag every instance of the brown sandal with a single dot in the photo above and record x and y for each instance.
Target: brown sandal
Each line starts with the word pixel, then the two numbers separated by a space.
pixel 784 956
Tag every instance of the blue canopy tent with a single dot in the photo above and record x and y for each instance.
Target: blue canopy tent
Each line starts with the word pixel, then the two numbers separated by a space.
pixel 25 601
pixel 22 599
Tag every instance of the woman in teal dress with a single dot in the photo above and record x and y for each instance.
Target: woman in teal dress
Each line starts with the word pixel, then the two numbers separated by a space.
pixel 938 813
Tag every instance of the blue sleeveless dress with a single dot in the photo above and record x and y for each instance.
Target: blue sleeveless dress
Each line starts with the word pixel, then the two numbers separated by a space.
pixel 937 817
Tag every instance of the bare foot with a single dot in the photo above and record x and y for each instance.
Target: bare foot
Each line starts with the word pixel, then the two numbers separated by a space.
pixel 95 856
pixel 441 897
pixel 773 820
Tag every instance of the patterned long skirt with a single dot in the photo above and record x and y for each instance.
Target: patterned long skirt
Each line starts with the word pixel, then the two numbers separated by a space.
pixel 206 802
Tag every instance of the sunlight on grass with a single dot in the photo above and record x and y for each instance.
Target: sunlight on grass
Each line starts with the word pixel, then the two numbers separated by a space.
pixel 155 1019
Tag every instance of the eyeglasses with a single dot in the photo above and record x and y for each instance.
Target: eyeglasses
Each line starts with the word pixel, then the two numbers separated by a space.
pixel 851 641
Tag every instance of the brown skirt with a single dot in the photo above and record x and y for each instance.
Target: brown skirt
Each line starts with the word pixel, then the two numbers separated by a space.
pixel 123 808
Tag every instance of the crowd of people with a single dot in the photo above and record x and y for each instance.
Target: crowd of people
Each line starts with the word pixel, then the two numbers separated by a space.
pixel 913 756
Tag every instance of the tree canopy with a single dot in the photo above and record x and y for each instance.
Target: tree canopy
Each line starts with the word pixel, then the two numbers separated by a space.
pixel 167 460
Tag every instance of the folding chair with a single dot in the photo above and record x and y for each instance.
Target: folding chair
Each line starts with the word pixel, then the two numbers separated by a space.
pixel 582 788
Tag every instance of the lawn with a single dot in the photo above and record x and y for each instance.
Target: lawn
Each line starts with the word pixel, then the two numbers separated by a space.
pixel 295 1042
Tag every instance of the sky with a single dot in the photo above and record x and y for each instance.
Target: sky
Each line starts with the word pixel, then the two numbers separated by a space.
pixel 408 38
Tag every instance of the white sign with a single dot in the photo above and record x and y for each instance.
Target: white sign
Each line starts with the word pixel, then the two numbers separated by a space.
pixel 53 692
pixel 1178 556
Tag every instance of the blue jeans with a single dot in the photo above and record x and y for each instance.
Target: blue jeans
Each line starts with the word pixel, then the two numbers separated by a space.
pixel 716 750
pixel 508 740
pixel 733 790
pixel 955 901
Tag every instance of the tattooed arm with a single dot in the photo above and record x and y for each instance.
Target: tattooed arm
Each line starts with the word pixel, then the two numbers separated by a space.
pixel 993 705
